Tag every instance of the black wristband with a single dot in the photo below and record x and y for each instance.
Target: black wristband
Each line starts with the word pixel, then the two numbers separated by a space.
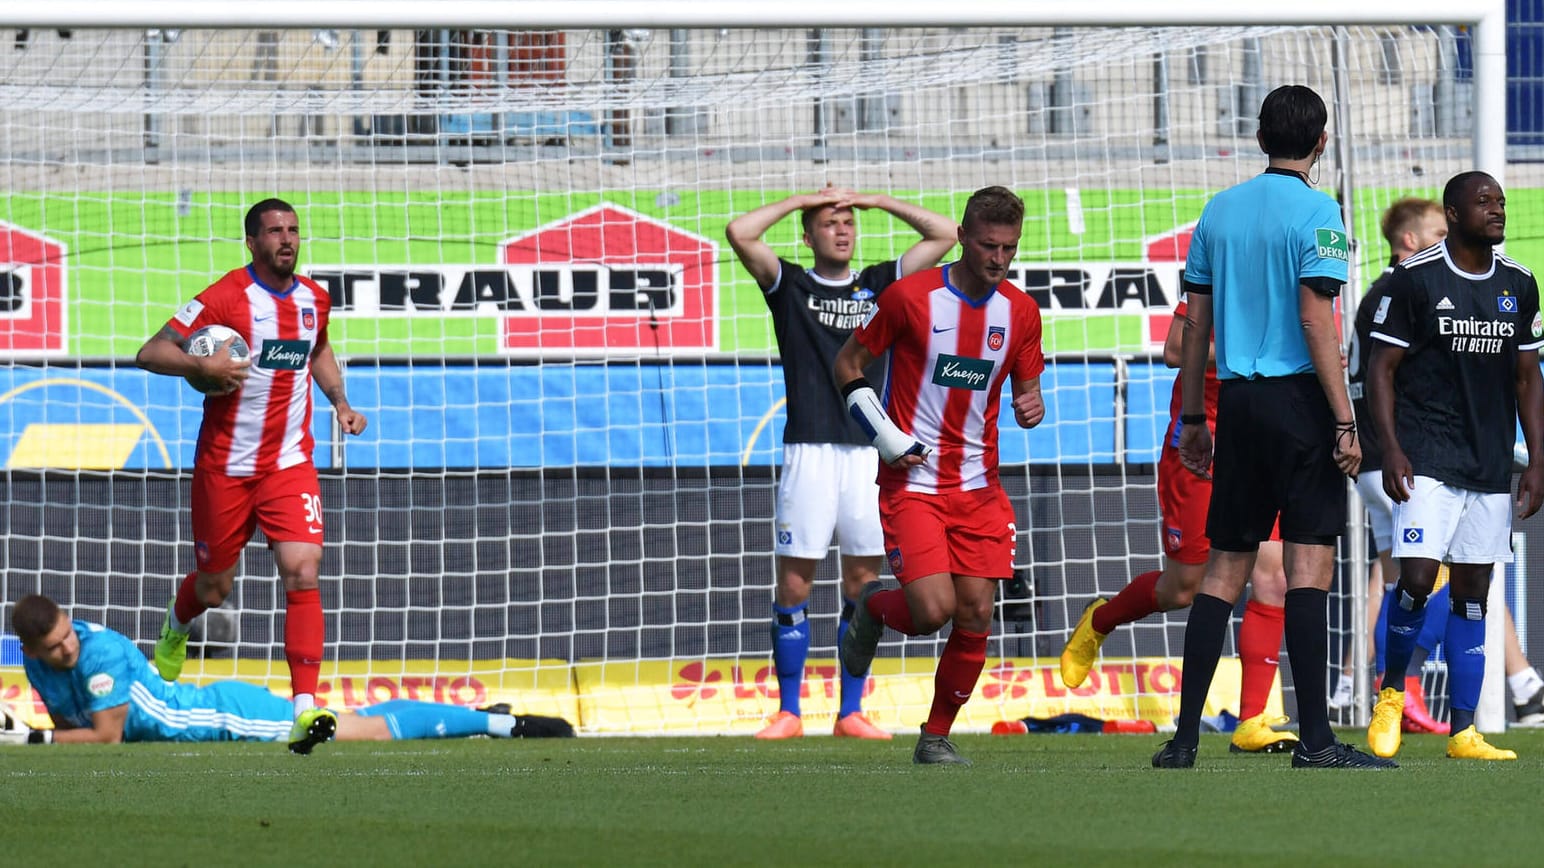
pixel 1192 418
pixel 853 386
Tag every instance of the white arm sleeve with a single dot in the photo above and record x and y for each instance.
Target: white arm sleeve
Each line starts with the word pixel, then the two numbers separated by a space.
pixel 891 441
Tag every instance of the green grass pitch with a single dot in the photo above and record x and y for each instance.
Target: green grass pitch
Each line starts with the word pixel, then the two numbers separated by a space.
pixel 1029 800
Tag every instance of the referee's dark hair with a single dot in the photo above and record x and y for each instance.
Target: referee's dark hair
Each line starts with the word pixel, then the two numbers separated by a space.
pixel 1457 184
pixel 1292 118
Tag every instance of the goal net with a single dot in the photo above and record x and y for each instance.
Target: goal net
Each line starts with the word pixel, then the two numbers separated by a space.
pixel 564 498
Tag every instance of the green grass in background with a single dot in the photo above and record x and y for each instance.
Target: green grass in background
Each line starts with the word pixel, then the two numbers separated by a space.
pixel 1029 800
pixel 134 259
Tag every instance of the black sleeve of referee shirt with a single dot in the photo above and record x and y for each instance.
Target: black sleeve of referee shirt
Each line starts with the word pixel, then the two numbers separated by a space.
pixel 1197 288
pixel 1328 287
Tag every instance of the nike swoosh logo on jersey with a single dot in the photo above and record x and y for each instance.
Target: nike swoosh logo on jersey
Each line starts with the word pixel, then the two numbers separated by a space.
pixel 262 318
pixel 939 331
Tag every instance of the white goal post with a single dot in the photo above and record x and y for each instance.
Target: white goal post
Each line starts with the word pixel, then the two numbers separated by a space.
pixel 564 498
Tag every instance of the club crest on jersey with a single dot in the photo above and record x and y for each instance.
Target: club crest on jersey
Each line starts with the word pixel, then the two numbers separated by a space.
pixel 308 318
pixel 995 335
pixel 1414 535
pixel 1506 303
pixel 1176 538
pixel 895 560
pixel 962 372
pixel 861 294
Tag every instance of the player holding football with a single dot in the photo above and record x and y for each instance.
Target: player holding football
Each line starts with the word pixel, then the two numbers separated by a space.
pixel 252 467
pixel 1183 499
pixel 954 334
pixel 827 482
pixel 99 689
pixel 1456 367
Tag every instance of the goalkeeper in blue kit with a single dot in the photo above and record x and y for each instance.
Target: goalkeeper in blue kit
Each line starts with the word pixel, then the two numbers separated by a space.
pixel 99 688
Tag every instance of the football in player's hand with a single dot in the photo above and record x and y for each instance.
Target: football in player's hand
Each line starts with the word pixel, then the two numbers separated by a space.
pixel 208 340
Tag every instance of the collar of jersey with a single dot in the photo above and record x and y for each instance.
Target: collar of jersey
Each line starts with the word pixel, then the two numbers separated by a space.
pixel 846 281
pixel 949 285
pixel 294 282
pixel 1453 266
pixel 1289 173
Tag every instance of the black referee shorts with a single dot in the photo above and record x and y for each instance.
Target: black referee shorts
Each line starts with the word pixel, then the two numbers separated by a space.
pixel 1275 454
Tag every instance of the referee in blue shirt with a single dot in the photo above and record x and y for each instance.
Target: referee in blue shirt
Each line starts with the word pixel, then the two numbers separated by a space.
pixel 1266 263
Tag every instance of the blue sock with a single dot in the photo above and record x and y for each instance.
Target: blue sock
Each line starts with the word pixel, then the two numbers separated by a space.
pixel 409 718
pixel 1465 642
pixel 1434 627
pixel 1405 617
pixel 790 648
pixel 852 688
pixel 1381 629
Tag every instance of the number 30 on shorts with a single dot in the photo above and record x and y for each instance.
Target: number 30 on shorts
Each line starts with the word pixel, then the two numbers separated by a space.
pixel 313 508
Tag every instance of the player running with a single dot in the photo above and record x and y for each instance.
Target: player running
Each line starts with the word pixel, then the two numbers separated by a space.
pixel 252 467
pixel 954 335
pixel 826 486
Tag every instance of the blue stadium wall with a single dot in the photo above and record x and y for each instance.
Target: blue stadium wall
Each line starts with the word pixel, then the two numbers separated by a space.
pixel 427 416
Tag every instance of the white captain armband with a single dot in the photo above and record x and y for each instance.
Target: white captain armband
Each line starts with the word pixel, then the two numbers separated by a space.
pixel 891 441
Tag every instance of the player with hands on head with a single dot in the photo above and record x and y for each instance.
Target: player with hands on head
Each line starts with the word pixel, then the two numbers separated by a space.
pixel 99 689
pixel 252 466
pixel 1455 370
pixel 954 335
pixel 826 486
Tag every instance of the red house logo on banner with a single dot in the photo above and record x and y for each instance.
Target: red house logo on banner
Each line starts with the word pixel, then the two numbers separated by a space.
pixel 32 294
pixel 612 280
pixel 1171 246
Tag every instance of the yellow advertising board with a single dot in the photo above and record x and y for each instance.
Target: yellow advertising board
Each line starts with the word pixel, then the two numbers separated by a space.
pixel 721 695
pixel 730 696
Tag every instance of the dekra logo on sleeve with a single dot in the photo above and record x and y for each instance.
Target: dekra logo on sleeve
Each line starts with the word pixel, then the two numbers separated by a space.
pixel 1331 244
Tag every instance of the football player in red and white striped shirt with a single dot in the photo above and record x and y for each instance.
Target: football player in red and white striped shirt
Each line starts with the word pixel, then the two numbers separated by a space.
pixel 252 467
pixel 954 335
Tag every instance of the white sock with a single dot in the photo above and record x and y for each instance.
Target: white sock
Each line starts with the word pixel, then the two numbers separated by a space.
pixel 304 702
pixel 1524 684
pixel 171 620
pixel 1342 695
pixel 501 725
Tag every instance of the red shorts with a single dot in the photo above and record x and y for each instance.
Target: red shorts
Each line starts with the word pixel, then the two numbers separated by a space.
pixel 1183 499
pixel 966 533
pixel 287 505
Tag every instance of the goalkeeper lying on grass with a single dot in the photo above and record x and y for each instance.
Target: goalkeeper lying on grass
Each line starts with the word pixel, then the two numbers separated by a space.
pixel 98 687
